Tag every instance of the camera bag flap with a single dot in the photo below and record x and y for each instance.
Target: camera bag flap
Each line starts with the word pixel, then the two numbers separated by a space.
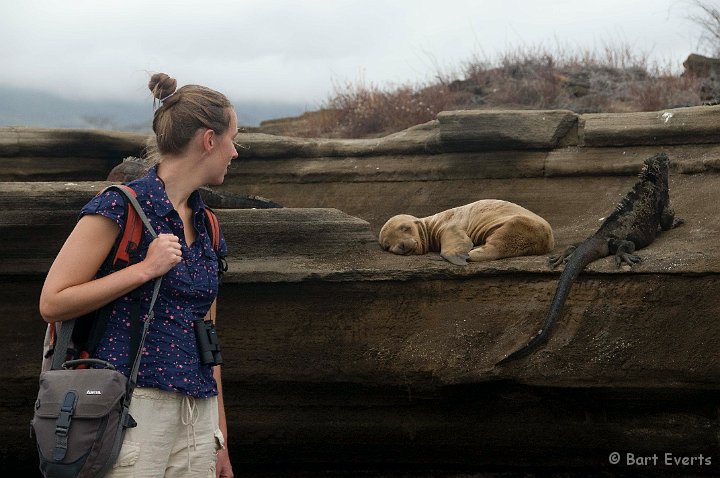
pixel 99 390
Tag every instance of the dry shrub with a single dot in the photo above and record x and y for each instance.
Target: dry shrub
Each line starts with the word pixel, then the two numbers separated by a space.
pixel 659 93
pixel 612 79
pixel 369 110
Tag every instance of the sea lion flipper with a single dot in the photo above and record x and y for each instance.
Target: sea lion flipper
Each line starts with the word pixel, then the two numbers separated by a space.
pixel 457 259
pixel 455 245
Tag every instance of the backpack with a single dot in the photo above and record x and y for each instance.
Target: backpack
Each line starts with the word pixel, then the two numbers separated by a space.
pixel 89 329
pixel 82 413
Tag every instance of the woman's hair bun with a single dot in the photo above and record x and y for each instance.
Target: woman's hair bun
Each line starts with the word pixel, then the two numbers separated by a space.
pixel 162 85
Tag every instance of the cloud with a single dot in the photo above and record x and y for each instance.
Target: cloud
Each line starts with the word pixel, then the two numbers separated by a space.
pixel 295 50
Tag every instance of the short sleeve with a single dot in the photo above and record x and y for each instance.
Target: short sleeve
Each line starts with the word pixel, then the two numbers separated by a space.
pixel 109 204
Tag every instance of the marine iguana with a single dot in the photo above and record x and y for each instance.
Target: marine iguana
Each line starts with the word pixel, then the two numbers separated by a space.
pixel 133 168
pixel 633 225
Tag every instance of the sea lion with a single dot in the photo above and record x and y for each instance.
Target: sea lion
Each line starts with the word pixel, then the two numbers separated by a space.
pixel 485 230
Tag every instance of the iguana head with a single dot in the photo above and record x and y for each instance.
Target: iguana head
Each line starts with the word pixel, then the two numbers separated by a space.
pixel 655 168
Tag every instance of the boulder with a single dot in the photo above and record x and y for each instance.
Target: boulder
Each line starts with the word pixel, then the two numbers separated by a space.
pixel 84 143
pixel 701 66
pixel 418 139
pixel 39 154
pixel 698 124
pixel 479 130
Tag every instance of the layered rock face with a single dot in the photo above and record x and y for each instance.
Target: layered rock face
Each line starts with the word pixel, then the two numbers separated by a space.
pixel 342 356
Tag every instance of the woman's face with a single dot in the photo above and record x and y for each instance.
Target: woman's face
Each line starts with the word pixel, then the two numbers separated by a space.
pixel 224 152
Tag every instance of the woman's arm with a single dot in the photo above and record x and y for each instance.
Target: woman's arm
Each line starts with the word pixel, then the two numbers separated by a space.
pixel 70 291
pixel 224 468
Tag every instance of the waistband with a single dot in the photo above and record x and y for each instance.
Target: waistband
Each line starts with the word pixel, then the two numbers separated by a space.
pixel 157 394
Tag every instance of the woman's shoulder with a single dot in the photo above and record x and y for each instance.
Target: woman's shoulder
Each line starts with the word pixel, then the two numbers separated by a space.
pixel 112 199
pixel 109 203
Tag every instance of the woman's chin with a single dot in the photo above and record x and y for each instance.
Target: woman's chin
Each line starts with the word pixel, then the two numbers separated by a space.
pixel 217 181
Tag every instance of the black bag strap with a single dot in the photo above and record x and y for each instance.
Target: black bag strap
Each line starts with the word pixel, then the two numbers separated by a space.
pixel 64 332
pixel 62 425
pixel 146 327
pixel 135 320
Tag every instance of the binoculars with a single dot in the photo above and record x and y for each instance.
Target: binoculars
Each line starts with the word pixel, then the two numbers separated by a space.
pixel 207 340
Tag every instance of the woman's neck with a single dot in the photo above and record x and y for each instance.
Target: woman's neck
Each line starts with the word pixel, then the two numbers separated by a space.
pixel 179 184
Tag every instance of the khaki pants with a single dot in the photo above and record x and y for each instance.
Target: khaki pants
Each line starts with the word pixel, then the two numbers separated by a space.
pixel 176 436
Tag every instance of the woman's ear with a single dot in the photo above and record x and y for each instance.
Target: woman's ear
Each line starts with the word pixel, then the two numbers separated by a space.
pixel 208 139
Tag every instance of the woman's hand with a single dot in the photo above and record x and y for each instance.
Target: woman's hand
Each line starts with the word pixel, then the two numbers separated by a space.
pixel 223 468
pixel 163 254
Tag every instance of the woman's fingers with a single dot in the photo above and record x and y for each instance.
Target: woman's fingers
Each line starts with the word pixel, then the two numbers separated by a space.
pixel 164 253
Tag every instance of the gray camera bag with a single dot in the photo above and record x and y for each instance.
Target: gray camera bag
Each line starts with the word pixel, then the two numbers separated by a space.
pixel 81 415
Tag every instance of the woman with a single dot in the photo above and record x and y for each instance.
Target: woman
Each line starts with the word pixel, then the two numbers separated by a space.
pixel 178 401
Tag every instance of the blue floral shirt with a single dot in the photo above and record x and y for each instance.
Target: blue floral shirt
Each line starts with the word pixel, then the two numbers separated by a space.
pixel 170 358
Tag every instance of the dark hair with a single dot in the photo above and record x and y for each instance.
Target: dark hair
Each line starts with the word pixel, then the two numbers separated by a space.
pixel 183 112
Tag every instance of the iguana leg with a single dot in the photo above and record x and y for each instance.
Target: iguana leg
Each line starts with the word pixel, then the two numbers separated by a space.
pixel 555 261
pixel 668 219
pixel 624 252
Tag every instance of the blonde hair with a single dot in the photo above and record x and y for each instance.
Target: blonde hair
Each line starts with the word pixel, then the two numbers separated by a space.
pixel 182 112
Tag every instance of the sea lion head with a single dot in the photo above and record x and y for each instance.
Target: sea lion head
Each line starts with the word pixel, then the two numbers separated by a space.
pixel 403 235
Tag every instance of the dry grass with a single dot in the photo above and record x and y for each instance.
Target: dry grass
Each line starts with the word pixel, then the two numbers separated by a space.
pixel 364 111
pixel 607 80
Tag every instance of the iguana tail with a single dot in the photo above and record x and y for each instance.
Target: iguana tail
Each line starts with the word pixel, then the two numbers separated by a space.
pixel 590 250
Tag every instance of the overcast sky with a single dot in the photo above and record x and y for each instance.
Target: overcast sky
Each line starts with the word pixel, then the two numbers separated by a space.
pixel 296 50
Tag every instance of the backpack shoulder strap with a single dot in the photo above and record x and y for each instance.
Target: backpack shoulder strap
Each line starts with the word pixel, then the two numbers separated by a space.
pixel 132 232
pixel 213 226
